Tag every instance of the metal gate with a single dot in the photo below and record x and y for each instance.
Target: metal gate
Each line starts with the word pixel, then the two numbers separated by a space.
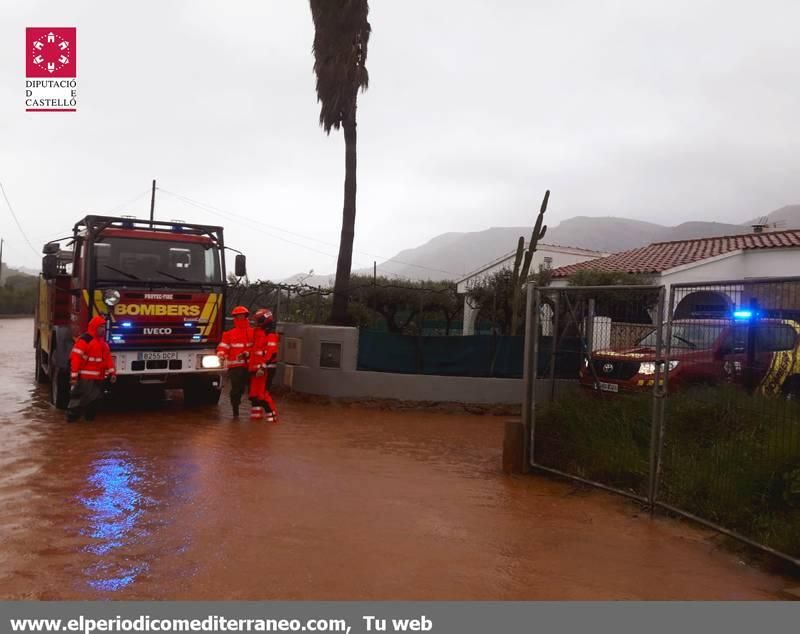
pixel 589 418
pixel 690 404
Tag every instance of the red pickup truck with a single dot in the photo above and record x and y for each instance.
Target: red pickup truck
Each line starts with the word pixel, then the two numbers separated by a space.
pixel 706 351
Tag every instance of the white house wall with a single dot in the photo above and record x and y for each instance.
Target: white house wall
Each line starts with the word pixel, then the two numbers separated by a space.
pixel 737 265
pixel 772 263
pixel 761 263
pixel 559 259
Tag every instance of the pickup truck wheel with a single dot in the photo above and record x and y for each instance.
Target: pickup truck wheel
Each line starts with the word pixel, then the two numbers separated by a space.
pixel 791 389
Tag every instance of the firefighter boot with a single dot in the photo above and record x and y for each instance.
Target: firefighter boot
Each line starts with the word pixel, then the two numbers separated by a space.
pixel 256 413
pixel 272 416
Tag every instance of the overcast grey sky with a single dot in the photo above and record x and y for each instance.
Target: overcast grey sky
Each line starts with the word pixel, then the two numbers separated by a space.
pixel 665 111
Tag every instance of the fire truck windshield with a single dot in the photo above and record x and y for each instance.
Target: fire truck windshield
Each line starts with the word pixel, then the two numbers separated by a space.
pixel 140 259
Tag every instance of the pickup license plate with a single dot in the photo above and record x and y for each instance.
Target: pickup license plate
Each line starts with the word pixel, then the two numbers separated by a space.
pixel 608 387
pixel 157 356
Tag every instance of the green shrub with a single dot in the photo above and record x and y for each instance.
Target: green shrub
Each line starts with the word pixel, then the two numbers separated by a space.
pixel 727 457
pixel 18 299
pixel 596 437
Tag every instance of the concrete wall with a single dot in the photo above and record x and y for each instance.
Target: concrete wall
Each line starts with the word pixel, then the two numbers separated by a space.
pixel 310 377
pixel 415 387
pixel 314 336
pixel 406 387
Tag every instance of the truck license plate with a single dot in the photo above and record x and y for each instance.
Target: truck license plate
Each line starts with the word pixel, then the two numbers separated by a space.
pixel 157 356
pixel 608 387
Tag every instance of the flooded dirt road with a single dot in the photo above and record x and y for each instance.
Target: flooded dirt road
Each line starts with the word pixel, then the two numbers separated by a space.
pixel 163 502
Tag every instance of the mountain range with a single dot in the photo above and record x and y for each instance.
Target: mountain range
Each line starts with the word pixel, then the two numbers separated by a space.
pixel 453 255
pixel 7 271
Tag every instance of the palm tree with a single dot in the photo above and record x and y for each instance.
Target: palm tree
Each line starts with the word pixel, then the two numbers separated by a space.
pixel 340 55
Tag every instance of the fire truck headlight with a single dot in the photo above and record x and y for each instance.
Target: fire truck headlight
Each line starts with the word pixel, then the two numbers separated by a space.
pixel 111 297
pixel 211 362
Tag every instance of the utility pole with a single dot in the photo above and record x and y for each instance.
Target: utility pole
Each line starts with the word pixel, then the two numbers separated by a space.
pixel 1 261
pixel 152 203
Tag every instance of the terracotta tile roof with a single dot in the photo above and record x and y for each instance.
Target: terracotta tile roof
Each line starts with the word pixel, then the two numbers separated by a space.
pixel 662 256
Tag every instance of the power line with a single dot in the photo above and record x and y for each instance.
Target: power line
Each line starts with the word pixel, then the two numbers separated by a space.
pixel 230 215
pixel 207 206
pixel 125 204
pixel 300 235
pixel 16 220
pixel 110 212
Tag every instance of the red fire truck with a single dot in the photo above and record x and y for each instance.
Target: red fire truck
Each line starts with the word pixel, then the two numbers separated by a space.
pixel 160 285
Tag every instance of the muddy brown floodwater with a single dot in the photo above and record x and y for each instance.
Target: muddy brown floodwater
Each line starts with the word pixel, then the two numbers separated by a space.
pixel 156 501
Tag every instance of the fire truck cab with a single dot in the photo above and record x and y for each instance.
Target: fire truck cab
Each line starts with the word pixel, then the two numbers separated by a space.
pixel 161 287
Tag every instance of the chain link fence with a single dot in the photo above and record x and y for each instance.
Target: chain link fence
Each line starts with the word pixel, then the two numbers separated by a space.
pixel 730 451
pixel 688 402
pixel 397 307
pixel 595 421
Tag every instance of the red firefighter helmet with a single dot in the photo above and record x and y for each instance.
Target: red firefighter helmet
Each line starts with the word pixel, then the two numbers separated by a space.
pixel 240 311
pixel 263 318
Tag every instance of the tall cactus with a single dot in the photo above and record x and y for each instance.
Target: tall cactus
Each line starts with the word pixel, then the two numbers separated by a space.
pixel 522 265
pixel 518 262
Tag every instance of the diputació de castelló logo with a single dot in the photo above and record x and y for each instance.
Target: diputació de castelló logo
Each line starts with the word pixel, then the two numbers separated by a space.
pixel 51 64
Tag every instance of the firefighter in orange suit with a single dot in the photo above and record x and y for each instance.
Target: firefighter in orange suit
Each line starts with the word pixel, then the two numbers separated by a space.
pixel 234 351
pixel 91 364
pixel 264 357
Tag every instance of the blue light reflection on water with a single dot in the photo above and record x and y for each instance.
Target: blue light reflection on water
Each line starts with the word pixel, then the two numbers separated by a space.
pixel 115 504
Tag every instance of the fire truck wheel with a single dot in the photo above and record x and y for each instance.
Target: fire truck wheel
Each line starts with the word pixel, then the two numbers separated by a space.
pixel 59 387
pixel 201 393
pixel 41 375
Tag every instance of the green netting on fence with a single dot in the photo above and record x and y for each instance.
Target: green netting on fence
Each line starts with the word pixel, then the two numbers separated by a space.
pixel 478 355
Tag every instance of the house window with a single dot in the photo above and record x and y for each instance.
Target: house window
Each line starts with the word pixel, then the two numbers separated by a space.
pixel 548 263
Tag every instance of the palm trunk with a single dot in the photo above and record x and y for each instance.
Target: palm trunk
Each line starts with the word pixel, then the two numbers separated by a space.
pixel 345 263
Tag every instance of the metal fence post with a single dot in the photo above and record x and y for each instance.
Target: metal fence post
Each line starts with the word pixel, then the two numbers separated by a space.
pixel 667 350
pixel 658 395
pixel 590 324
pixel 554 343
pixel 529 371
